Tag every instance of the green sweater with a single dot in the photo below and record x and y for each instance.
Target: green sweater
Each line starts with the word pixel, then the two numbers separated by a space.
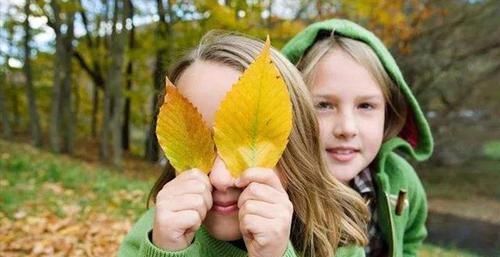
pixel 404 232
pixel 138 244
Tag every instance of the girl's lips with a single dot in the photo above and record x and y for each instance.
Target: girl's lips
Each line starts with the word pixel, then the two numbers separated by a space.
pixel 225 208
pixel 342 154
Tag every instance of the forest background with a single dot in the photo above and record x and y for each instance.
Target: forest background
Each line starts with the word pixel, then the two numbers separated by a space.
pixel 80 80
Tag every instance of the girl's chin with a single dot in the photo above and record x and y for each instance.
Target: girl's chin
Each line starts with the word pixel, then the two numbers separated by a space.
pixel 222 227
pixel 344 173
pixel 223 234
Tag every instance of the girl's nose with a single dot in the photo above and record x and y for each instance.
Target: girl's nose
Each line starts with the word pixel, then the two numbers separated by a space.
pixel 220 178
pixel 345 126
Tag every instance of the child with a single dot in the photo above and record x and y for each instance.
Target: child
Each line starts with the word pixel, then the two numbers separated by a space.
pixel 366 112
pixel 200 215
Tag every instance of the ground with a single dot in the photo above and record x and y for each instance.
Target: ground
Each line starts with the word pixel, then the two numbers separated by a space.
pixel 53 205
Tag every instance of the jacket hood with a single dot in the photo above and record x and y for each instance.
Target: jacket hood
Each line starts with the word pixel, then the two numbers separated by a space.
pixel 415 138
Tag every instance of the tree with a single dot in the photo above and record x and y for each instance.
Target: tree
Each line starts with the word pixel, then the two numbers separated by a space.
pixel 60 16
pixel 163 30
pixel 130 67
pixel 95 51
pixel 7 130
pixel 4 113
pixel 36 135
pixel 111 139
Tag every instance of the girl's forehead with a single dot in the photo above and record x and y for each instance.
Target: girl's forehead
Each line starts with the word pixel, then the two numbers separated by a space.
pixel 205 84
pixel 338 73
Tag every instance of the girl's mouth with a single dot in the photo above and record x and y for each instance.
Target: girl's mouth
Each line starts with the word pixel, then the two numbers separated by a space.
pixel 342 154
pixel 225 208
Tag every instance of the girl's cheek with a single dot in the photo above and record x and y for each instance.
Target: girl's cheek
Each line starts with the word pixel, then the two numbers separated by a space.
pixel 325 127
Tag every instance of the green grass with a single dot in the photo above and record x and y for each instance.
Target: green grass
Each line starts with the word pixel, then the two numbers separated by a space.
pixel 32 181
pixel 492 150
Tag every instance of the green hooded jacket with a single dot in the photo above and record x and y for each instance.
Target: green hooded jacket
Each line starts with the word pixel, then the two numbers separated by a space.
pixel 403 230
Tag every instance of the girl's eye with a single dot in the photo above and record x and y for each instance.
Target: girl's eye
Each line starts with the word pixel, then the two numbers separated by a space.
pixel 367 106
pixel 323 106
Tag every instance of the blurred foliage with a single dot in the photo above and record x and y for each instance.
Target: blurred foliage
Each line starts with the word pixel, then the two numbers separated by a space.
pixel 429 250
pixel 492 150
pixel 448 50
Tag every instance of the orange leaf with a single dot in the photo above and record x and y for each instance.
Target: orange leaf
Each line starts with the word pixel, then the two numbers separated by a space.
pixel 183 135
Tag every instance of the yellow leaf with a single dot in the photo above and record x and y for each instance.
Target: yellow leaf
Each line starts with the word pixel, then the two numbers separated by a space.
pixel 183 135
pixel 254 120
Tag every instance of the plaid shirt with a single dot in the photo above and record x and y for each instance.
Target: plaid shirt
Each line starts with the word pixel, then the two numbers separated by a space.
pixel 363 184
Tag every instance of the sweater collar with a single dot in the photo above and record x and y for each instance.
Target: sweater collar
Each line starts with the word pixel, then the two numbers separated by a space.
pixel 217 247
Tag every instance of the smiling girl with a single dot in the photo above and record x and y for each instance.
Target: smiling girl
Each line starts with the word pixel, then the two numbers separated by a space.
pixel 366 113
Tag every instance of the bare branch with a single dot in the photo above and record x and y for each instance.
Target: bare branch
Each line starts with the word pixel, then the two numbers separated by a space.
pixel 96 77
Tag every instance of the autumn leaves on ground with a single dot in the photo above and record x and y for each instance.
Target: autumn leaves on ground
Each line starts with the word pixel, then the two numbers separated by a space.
pixel 56 206
pixel 53 205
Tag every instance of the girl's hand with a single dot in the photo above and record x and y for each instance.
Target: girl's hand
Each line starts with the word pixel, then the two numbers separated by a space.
pixel 265 213
pixel 181 207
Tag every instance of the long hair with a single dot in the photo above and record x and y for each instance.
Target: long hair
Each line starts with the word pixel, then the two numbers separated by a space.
pixel 326 212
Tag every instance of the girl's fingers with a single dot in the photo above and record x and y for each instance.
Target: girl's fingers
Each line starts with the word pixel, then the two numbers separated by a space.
pixel 189 182
pixel 261 192
pixel 196 202
pixel 251 224
pixel 178 188
pixel 194 174
pixel 263 230
pixel 262 176
pixel 188 220
pixel 262 209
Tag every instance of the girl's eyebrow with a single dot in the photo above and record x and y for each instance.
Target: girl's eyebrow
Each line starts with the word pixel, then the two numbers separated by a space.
pixel 324 96
pixel 363 97
pixel 370 97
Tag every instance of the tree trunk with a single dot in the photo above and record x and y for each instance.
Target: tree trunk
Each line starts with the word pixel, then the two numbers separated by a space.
pixel 15 108
pixel 94 67
pixel 152 146
pixel 106 124
pixel 128 102
pixel 68 120
pixel 104 150
pixel 115 79
pixel 35 130
pixel 6 129
pixel 126 119
pixel 11 93
pixel 95 108
pixel 55 116
pixel 62 120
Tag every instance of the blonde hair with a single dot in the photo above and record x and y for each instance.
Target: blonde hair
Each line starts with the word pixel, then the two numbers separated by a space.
pixel 326 213
pixel 396 109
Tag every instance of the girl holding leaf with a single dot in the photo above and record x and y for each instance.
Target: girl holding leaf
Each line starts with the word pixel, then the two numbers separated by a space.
pixel 245 174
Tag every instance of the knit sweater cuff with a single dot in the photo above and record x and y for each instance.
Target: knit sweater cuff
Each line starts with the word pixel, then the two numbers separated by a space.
pixel 148 249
